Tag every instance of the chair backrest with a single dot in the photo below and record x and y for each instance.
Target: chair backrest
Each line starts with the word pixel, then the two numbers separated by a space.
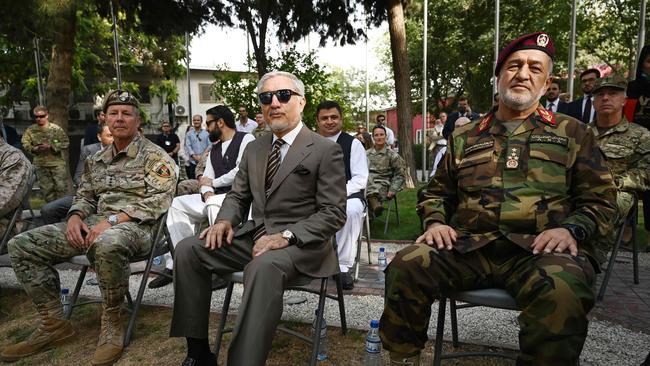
pixel 16 214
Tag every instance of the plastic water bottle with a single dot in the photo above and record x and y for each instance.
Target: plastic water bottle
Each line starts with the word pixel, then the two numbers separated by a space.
pixel 157 261
pixel 382 264
pixel 65 301
pixel 373 346
pixel 322 345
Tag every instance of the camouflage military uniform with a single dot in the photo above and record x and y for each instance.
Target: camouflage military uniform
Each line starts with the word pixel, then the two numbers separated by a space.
pixel 261 131
pixel 386 172
pixel 15 173
pixel 50 166
pixel 498 189
pixel 138 181
pixel 627 148
pixel 192 186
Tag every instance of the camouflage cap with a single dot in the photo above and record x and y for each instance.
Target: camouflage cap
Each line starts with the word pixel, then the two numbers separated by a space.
pixel 612 81
pixel 120 97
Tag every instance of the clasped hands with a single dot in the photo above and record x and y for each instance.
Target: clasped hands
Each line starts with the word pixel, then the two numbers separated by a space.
pixel 556 240
pixel 215 234
pixel 79 235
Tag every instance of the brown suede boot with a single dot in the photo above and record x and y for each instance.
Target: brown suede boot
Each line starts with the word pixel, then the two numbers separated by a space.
pixel 53 331
pixel 111 338
pixel 375 205
pixel 402 360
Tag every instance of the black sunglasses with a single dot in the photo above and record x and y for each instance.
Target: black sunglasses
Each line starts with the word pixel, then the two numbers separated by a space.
pixel 40 116
pixel 283 96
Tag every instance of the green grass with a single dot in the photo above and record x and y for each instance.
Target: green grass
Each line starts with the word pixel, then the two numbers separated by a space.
pixel 409 228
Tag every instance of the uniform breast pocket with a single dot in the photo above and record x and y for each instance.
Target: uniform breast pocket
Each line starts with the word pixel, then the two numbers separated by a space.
pixel 477 170
pixel 547 168
pixel 616 151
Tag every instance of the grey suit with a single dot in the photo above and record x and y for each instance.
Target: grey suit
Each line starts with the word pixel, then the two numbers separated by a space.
pixel 57 210
pixel 308 198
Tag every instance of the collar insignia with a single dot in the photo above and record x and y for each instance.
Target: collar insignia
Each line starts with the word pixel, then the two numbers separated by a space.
pixel 485 122
pixel 546 116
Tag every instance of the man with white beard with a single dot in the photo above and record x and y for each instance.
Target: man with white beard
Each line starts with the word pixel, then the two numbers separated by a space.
pixel 516 204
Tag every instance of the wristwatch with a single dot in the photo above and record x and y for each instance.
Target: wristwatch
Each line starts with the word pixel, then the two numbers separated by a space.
pixel 578 233
pixel 112 219
pixel 289 236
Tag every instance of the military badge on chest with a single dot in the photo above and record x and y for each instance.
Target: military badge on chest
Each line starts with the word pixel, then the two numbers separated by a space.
pixel 512 161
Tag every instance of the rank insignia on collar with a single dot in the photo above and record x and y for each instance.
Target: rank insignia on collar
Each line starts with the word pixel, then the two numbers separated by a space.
pixel 546 116
pixel 485 122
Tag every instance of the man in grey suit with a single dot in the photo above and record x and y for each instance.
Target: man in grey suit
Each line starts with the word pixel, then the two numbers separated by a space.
pixel 295 181
pixel 57 210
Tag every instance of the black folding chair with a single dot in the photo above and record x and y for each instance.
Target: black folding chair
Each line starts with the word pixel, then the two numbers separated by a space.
pixel 365 226
pixel 388 213
pixel 15 214
pixel 299 284
pixel 630 220
pixel 161 245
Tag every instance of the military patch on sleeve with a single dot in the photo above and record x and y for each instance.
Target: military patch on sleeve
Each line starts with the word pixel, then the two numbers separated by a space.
pixel 549 139
pixel 546 116
pixel 478 146
pixel 162 169
pixel 485 122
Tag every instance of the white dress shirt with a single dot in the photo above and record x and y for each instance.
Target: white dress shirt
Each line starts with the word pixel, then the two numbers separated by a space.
pixel 358 166
pixel 554 103
pixel 249 128
pixel 226 179
pixel 289 138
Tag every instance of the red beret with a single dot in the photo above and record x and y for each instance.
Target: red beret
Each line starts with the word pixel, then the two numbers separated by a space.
pixel 533 41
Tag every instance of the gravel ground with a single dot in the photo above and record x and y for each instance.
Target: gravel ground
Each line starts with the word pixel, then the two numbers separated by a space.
pixel 607 344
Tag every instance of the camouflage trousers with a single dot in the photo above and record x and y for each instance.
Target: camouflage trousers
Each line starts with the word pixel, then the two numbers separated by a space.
pixel 553 291
pixel 378 187
pixel 187 186
pixel 33 254
pixel 53 181
pixel 604 244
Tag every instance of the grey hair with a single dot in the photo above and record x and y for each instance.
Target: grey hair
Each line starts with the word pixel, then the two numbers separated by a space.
pixel 300 87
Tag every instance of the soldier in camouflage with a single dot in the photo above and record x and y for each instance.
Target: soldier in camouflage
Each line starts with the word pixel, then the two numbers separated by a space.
pixel 15 173
pixel 386 176
pixel 626 146
pixel 515 203
pixel 124 190
pixel 47 143
pixel 262 128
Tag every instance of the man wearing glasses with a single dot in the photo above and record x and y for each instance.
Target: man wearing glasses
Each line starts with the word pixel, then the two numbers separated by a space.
pixel 46 142
pixel 390 135
pixel 294 180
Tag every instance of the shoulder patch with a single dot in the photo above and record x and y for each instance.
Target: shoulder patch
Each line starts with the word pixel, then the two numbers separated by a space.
pixel 546 116
pixel 549 139
pixel 485 122
pixel 479 146
pixel 162 169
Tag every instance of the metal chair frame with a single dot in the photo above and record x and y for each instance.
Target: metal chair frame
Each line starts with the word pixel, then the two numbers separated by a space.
pixel 161 244
pixel 631 220
pixel 300 284
pixel 388 213
pixel 365 225
pixel 493 297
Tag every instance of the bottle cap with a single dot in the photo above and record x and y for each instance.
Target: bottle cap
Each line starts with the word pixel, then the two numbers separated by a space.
pixel 65 291
pixel 374 323
pixel 382 249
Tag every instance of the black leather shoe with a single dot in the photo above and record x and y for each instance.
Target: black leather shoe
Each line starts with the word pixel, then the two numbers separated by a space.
pixel 208 360
pixel 347 281
pixel 161 280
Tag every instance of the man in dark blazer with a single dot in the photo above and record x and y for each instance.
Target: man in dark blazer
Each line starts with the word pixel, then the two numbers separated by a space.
pixel 296 208
pixel 583 109
pixel 464 110
pixel 553 102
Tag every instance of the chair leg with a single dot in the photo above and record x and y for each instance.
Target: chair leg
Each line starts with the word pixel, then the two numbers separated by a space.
pixel 357 263
pixel 396 209
pixel 368 238
pixel 387 217
pixel 319 321
pixel 341 301
pixel 223 318
pixel 610 264
pixel 440 331
pixel 635 247
pixel 138 299
pixel 77 289
pixel 454 322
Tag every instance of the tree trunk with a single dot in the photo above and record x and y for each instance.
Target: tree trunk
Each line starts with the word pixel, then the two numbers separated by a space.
pixel 401 70
pixel 59 82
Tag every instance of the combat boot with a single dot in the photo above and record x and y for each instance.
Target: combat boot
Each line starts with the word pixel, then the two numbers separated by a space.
pixel 375 206
pixel 402 360
pixel 53 331
pixel 111 338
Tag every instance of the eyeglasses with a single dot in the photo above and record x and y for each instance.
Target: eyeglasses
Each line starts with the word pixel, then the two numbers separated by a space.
pixel 283 96
pixel 39 116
